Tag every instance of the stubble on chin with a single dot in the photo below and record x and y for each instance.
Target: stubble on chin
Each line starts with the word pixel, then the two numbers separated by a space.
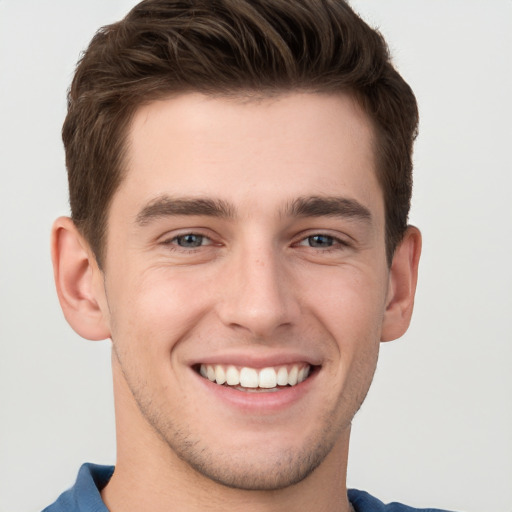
pixel 249 468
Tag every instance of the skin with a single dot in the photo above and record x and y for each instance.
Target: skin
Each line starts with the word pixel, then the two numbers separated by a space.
pixel 268 279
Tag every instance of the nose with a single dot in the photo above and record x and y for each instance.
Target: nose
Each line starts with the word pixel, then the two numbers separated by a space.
pixel 258 293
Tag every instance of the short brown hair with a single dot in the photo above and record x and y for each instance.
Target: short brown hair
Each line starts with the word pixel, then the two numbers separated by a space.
pixel 164 47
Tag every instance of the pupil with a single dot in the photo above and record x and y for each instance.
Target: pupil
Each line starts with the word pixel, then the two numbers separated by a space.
pixel 320 241
pixel 190 240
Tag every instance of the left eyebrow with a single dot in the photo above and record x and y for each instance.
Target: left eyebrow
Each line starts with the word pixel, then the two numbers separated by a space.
pixel 166 206
pixel 328 206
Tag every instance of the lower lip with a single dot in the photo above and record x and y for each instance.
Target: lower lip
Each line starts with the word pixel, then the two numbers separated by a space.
pixel 259 401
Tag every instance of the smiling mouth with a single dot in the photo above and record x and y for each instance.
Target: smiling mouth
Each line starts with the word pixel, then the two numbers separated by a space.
pixel 273 378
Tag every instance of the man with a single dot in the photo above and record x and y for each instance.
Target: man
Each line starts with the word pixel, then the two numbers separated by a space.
pixel 240 180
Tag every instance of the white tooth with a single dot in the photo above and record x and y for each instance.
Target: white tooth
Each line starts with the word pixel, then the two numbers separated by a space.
pixel 300 376
pixel 306 372
pixel 292 375
pixel 220 374
pixel 248 378
pixel 282 376
pixel 202 370
pixel 232 376
pixel 268 378
pixel 210 373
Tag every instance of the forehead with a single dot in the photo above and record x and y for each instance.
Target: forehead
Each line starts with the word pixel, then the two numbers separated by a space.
pixel 255 151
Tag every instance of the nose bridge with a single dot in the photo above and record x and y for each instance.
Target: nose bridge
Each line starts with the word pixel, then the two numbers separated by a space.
pixel 260 295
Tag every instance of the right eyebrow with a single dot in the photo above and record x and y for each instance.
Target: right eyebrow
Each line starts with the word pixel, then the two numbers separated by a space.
pixel 166 206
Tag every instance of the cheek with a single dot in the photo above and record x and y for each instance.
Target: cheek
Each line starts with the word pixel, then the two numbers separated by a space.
pixel 349 301
pixel 152 313
pixel 350 306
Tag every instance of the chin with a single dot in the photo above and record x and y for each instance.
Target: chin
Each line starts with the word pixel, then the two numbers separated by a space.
pixel 261 466
pixel 248 472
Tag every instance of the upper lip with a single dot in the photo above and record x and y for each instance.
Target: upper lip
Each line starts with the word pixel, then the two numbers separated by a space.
pixel 257 360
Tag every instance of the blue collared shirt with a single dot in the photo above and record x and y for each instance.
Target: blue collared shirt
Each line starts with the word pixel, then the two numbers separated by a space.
pixel 85 496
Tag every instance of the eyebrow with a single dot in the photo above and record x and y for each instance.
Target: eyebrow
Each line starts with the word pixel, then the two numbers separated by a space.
pixel 313 206
pixel 319 206
pixel 166 206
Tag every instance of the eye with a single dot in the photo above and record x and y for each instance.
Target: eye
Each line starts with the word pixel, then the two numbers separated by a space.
pixel 319 241
pixel 190 240
pixel 322 241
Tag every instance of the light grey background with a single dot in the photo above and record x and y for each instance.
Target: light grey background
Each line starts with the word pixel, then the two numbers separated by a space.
pixel 436 429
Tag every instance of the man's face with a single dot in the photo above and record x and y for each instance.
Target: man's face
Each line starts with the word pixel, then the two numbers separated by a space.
pixel 247 235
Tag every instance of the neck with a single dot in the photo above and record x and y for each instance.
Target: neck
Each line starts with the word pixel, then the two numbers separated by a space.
pixel 150 476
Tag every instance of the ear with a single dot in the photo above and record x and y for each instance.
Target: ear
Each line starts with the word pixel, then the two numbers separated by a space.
pixel 79 282
pixel 403 277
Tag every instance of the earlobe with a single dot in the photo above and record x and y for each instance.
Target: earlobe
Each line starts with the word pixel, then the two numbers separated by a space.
pixel 403 277
pixel 78 282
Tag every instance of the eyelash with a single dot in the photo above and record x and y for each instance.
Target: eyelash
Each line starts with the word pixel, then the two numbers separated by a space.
pixel 335 243
pixel 174 245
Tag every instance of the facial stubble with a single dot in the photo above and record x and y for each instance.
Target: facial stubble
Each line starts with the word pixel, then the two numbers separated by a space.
pixel 244 470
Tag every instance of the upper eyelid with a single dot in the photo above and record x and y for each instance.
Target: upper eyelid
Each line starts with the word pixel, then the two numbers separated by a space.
pixel 337 240
pixel 340 237
pixel 170 244
pixel 176 233
pixel 168 237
